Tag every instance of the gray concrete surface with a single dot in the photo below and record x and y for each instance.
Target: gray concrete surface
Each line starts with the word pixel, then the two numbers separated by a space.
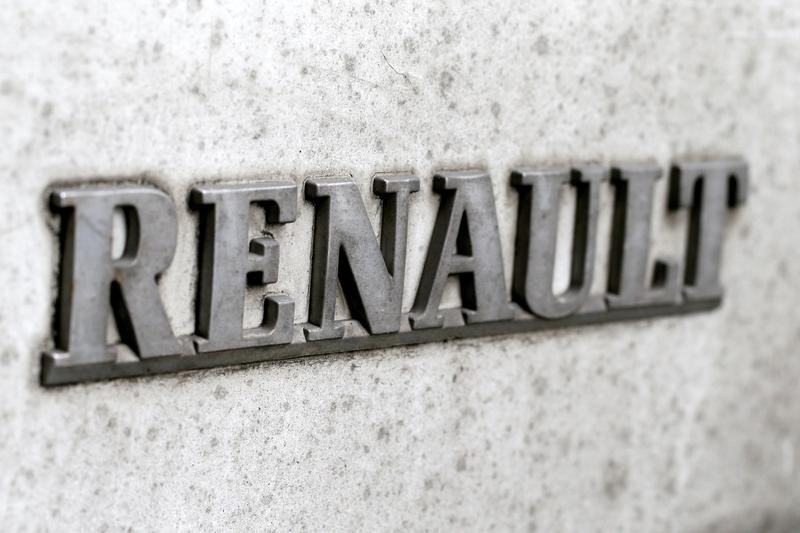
pixel 683 424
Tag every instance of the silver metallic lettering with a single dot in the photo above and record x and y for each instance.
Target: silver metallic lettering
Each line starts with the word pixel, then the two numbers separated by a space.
pixel 707 187
pixel 102 275
pixel 630 242
pixel 345 249
pixel 93 284
pixel 465 242
pixel 229 261
pixel 537 231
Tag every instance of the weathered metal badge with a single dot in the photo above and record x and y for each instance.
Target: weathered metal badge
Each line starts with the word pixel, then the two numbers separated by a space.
pixel 96 285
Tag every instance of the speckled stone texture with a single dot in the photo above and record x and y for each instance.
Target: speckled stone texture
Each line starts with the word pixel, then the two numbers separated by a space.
pixel 685 424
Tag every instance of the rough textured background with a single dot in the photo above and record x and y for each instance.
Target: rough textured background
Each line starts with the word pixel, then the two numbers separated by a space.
pixel 686 424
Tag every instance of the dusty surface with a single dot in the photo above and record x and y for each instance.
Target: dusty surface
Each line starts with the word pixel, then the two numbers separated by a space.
pixel 686 424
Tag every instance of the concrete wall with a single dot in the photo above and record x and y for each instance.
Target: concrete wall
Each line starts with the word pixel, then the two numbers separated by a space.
pixel 681 424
